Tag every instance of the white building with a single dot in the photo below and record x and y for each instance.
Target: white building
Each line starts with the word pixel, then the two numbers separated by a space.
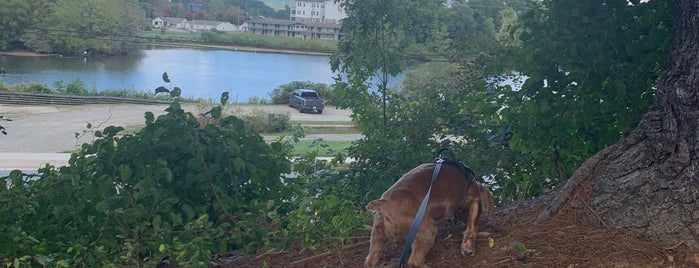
pixel 222 26
pixel 200 25
pixel 319 11
pixel 168 22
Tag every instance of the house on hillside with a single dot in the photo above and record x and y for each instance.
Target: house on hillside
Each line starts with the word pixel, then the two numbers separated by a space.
pixel 169 22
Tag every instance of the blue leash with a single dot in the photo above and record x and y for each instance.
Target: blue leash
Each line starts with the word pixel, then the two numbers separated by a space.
pixel 420 214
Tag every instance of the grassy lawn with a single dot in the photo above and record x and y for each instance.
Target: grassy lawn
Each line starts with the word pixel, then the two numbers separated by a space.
pixel 325 123
pixel 324 148
pixel 309 131
pixel 324 127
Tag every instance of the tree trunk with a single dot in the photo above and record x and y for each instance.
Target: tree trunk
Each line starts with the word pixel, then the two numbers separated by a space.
pixel 648 182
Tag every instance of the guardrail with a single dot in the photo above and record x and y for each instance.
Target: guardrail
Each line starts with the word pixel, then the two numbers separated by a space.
pixel 10 97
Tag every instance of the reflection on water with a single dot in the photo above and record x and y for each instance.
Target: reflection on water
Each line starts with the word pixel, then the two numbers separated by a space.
pixel 200 73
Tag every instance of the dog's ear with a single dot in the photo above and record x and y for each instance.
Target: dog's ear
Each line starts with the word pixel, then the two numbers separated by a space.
pixel 470 175
pixel 376 205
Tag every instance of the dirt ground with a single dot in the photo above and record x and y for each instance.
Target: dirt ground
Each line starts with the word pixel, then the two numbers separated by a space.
pixel 560 242
pixel 62 128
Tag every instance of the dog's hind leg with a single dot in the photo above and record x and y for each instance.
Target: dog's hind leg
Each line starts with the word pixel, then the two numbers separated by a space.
pixel 378 240
pixel 424 240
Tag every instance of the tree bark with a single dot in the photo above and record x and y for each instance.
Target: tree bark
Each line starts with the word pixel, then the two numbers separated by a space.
pixel 647 183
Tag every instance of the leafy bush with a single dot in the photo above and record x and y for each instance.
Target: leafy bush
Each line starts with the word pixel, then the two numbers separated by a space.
pixel 75 87
pixel 263 122
pixel 331 208
pixel 183 187
pixel 36 88
pixel 176 188
pixel 33 87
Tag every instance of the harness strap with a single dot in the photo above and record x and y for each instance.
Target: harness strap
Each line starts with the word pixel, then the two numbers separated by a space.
pixel 420 214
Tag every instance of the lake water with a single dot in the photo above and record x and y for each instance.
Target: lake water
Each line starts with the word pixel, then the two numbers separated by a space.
pixel 198 72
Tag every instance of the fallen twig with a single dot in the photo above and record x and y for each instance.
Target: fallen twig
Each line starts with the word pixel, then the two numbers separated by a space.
pixel 675 246
pixel 594 213
pixel 304 260
pixel 268 253
pixel 502 261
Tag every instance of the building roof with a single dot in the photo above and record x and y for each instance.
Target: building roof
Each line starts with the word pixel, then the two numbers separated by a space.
pixel 172 19
pixel 207 22
pixel 323 25
pixel 273 21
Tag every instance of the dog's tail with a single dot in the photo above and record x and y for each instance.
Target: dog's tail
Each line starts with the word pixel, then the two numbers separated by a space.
pixel 376 205
pixel 487 202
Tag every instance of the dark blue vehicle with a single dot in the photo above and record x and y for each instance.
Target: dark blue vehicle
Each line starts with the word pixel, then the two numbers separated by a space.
pixel 306 100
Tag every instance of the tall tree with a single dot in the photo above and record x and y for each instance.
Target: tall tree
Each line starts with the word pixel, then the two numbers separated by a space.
pixel 591 67
pixel 376 33
pixel 440 100
pixel 77 26
pixel 648 182
pixel 16 17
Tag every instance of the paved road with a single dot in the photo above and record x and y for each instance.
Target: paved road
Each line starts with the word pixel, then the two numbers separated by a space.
pixel 45 134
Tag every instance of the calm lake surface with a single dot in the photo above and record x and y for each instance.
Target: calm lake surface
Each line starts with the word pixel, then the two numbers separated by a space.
pixel 198 72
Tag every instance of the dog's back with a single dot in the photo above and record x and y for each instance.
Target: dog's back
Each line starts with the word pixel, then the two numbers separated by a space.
pixel 406 194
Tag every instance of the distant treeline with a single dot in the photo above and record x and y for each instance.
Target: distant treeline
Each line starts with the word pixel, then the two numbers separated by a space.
pixel 81 27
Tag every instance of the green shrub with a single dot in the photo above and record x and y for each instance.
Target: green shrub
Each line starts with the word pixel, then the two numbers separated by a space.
pixel 181 187
pixel 176 188
pixel 75 87
pixel 263 122
pixel 33 87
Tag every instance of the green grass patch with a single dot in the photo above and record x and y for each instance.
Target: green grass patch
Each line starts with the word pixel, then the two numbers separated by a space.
pixel 323 148
pixel 325 123
pixel 271 42
pixel 323 130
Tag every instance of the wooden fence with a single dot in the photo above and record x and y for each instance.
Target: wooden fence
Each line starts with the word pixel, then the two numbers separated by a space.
pixel 10 97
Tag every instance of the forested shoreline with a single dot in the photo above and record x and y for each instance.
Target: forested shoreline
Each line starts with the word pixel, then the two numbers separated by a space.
pixel 106 28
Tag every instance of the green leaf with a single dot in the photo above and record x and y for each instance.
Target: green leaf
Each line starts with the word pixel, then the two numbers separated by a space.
pixel 111 131
pixel 166 79
pixel 176 92
pixel 161 89
pixel 188 211
pixel 216 112
pixel 238 164
pixel 150 118
pixel 224 98
pixel 157 220
pixel 166 205
pixel 176 219
pixel 62 263
pixel 102 207
pixel 125 172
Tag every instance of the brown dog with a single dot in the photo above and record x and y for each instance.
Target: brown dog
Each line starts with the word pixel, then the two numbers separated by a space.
pixel 396 209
